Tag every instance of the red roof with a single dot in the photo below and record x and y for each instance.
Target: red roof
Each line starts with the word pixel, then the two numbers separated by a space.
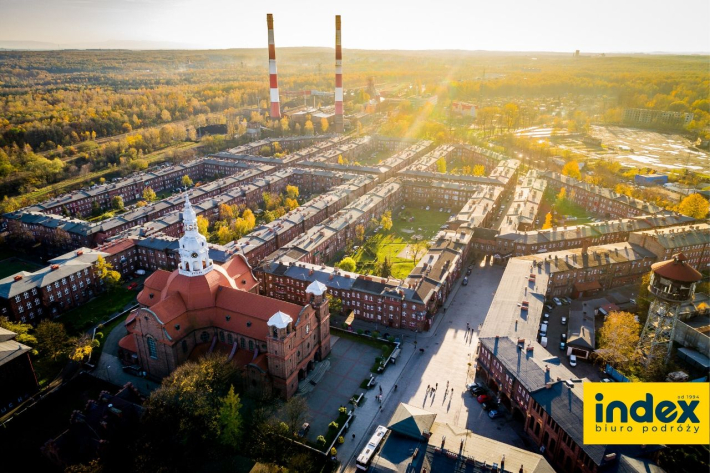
pixel 129 343
pixel 677 269
pixel 117 247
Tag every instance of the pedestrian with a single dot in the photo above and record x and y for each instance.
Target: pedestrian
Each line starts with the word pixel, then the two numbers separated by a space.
pixel 468 326
pixel 380 389
pixel 395 387
pixel 437 386
pixel 447 384
pixel 428 387
pixel 452 391
pixel 353 436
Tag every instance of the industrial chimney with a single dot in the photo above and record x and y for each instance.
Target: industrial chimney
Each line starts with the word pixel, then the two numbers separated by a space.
pixel 274 92
pixel 339 126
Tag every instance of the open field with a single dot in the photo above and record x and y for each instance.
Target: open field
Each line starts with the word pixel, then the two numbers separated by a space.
pixel 391 243
pixel 10 266
pixel 83 318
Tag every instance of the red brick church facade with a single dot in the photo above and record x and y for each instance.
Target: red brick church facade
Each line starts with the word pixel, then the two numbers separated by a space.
pixel 202 308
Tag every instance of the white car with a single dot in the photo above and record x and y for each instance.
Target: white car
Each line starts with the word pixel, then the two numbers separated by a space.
pixel 563 320
pixel 557 301
pixel 573 360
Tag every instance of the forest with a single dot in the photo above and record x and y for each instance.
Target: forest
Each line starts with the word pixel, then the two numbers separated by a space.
pixel 68 114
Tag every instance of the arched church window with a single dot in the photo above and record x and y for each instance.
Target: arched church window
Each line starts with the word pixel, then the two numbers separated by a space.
pixel 152 348
pixel 205 337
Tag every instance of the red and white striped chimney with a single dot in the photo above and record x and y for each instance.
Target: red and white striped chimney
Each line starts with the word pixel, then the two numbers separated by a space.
pixel 339 126
pixel 274 91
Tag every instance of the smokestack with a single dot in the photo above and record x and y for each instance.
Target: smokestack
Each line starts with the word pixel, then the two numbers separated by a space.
pixel 339 126
pixel 274 91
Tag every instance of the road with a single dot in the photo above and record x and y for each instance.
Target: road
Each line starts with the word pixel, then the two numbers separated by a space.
pixel 449 356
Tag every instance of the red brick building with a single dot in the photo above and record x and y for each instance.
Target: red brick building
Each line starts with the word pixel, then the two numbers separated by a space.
pixel 202 308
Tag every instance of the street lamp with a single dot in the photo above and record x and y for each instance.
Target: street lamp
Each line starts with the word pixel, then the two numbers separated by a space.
pixel 108 378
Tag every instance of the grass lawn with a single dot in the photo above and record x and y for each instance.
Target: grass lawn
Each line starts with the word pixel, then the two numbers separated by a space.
pixel 10 266
pixel 369 160
pixel 389 244
pixel 47 369
pixel 81 319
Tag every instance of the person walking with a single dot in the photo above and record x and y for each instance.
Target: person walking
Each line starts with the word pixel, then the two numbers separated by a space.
pixel 380 389
pixel 353 436
pixel 428 387
pixel 395 387
pixel 447 384
pixel 468 326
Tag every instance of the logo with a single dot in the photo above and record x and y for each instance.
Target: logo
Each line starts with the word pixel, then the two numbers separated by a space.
pixel 646 413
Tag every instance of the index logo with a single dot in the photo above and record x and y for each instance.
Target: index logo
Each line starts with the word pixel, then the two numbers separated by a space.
pixel 646 413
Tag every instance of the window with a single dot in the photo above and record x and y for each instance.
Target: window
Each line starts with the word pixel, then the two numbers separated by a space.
pixel 34 291
pixel 184 346
pixel 152 348
pixel 36 301
pixel 251 345
pixel 17 299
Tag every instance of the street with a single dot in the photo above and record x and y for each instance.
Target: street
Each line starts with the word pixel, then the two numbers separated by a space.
pixel 449 353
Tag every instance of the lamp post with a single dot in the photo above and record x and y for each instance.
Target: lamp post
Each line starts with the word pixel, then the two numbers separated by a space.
pixel 108 377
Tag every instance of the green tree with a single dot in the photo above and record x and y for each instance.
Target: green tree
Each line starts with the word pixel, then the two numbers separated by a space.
pixel 295 412
pixel 694 206
pixel 149 194
pixel 418 248
pixel 441 165
pixel 186 181
pixel 385 268
pixel 117 202
pixel 230 420
pixel 347 264
pixel 52 338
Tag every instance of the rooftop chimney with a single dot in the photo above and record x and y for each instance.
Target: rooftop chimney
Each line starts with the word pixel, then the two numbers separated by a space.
pixel 274 92
pixel 339 126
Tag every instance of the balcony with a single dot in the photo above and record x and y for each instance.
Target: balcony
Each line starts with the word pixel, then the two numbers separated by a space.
pixel 678 296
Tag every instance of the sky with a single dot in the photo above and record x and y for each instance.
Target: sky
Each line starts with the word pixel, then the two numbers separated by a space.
pixel 494 25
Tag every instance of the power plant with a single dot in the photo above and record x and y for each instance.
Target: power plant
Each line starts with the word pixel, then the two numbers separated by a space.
pixel 273 81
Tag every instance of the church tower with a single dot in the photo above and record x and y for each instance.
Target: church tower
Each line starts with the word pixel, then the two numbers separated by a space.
pixel 194 252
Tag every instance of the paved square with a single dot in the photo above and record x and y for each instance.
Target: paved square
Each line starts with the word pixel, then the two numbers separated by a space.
pixel 350 363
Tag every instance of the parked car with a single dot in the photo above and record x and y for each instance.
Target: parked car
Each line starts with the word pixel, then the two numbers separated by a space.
pixel 564 301
pixel 549 307
pixel 557 301
pixel 563 345
pixel 494 414
pixel 475 384
pixel 563 337
pixel 468 272
pixel 543 329
pixel 488 405
pixel 483 398
pixel 569 301
pixel 303 431
pixel 573 360
pixel 476 391
pixel 633 301
pixel 563 320
pixel 543 342
pixel 133 285
pixel 546 316
pixel 465 281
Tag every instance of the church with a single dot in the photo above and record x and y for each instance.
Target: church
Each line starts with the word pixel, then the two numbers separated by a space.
pixel 202 308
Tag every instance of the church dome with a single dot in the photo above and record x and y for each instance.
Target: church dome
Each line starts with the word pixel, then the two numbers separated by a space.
pixel 198 292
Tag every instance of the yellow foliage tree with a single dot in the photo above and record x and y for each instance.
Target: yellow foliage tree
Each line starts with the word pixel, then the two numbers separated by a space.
pixel 618 339
pixel 694 206
pixel 149 194
pixel 479 170
pixel 571 169
pixel 292 191
pixel 324 124
pixel 562 194
pixel 548 221
pixel 224 236
pixel 202 224
pixel 386 220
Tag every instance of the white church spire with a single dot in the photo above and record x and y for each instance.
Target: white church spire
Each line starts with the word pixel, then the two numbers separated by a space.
pixel 194 252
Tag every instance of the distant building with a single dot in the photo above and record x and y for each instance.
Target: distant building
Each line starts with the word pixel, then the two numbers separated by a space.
pixel 463 108
pixel 647 117
pixel 17 376
pixel 650 179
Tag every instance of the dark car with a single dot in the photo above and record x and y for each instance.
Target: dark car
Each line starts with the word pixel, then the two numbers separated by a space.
pixel 563 345
pixel 487 406
pixel 303 431
pixel 476 390
pixel 468 272
pixel 483 398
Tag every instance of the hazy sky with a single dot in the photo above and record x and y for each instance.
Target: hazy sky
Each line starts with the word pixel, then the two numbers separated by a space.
pixel 506 25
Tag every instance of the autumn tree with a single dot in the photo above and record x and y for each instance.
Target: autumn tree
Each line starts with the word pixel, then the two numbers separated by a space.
pixel 548 221
pixel 479 170
pixel 141 203
pixel 694 206
pixel 441 165
pixel 186 181
pixel 224 236
pixel 117 203
pixel 308 127
pixel 347 264
pixel 149 194
pixel 202 225
pixel 106 273
pixel 22 330
pixel 324 124
pixel 386 220
pixel 52 338
pixel 82 347
pixel 618 339
pixel 571 169
pixel 292 192
pixel 418 248
pixel 562 195
pixel 360 233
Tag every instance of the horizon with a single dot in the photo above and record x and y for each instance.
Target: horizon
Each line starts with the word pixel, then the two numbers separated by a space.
pixel 633 27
